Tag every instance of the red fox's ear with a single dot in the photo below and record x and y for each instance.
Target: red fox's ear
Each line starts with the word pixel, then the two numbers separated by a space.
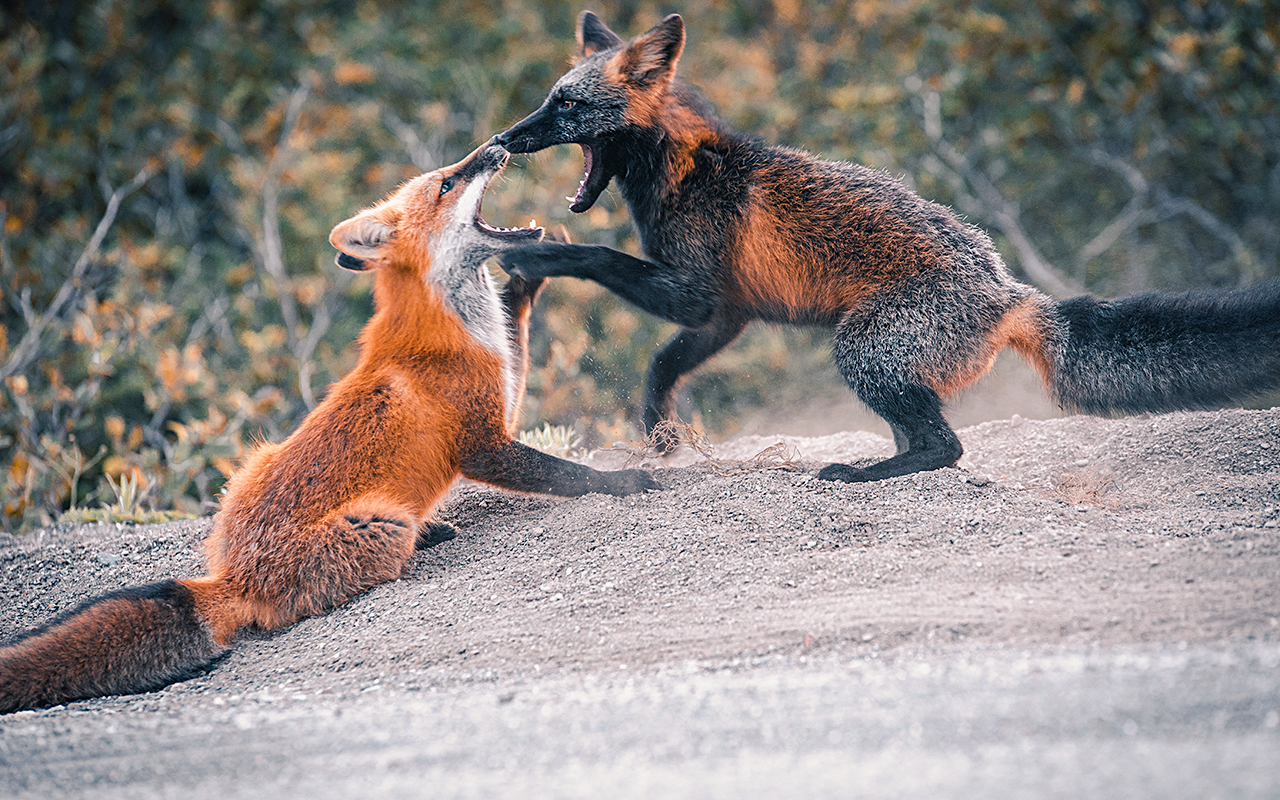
pixel 651 57
pixel 594 35
pixel 360 239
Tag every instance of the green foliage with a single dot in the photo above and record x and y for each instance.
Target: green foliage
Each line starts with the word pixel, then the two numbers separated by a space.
pixel 169 174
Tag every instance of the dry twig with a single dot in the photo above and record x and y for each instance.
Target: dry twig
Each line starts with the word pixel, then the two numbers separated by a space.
pixel 777 456
pixel 29 346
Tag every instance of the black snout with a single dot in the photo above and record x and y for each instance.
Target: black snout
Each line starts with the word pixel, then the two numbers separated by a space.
pixel 529 135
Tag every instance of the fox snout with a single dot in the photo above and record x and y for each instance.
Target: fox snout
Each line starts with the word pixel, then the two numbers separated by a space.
pixel 527 136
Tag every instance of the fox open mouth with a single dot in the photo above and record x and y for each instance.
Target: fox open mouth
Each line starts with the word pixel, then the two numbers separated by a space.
pixel 594 179
pixel 533 231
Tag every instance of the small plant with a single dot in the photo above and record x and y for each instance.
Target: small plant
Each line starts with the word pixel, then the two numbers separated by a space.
pixel 126 508
pixel 559 440
pixel 127 492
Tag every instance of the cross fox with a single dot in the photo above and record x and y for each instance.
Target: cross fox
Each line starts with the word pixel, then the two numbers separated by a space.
pixel 339 506
pixel 920 302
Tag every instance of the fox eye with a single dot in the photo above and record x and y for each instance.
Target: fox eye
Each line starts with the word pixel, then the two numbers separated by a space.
pixel 445 186
pixel 565 105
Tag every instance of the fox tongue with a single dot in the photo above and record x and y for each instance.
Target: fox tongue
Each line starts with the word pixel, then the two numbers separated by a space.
pixel 594 179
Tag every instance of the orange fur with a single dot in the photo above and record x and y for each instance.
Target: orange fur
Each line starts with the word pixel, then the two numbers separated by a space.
pixel 292 538
pixel 339 505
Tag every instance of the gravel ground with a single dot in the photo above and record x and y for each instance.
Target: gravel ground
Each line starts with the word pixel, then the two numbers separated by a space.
pixel 1084 607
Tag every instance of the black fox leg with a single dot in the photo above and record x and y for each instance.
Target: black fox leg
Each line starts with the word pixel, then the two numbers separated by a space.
pixel 524 469
pixel 914 412
pixel 876 355
pixel 683 353
pixel 900 441
pixel 433 533
pixel 683 295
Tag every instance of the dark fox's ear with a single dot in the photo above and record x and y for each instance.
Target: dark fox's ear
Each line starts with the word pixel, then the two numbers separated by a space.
pixel 651 57
pixel 360 240
pixel 594 35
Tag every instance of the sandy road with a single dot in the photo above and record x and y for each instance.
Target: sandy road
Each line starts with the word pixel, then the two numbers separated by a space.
pixel 1000 630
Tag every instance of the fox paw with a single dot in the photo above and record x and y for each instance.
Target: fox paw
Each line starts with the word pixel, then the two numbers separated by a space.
pixel 517 267
pixel 433 533
pixel 631 481
pixel 843 473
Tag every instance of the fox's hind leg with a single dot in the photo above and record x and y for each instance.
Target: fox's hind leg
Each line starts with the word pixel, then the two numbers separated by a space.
pixel 682 354
pixel 307 571
pixel 879 355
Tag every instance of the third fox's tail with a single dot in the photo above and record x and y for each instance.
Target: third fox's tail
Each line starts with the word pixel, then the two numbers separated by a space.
pixel 132 640
pixel 1160 352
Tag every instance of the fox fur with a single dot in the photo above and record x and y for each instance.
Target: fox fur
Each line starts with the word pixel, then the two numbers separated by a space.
pixel 339 506
pixel 919 302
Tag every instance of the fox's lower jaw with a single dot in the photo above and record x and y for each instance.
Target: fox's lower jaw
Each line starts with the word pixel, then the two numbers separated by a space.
pixel 595 177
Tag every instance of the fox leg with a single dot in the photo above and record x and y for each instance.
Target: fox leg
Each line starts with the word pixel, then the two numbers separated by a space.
pixel 311 571
pixel 434 533
pixel 518 297
pixel 876 356
pixel 685 295
pixel 512 465
pixel 683 353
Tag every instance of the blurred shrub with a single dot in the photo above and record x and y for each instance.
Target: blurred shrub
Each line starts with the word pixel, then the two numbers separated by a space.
pixel 1138 143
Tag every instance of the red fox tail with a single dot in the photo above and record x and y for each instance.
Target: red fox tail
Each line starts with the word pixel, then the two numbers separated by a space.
pixel 132 640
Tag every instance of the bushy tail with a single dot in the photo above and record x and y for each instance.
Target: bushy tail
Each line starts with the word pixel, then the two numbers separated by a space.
pixel 132 640
pixel 1163 352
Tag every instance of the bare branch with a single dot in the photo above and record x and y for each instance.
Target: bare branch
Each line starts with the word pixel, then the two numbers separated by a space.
pixel 1172 205
pixel 28 347
pixel 272 245
pixel 1001 212
pixel 321 319
pixel 420 153
pixel 1134 213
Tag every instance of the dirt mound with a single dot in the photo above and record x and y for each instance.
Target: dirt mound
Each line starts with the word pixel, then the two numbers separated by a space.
pixel 1120 538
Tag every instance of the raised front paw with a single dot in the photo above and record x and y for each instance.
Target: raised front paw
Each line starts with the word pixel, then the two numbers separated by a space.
pixel 629 481
pixel 526 262
pixel 843 473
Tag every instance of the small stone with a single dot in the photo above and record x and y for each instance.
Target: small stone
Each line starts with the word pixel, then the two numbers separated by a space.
pixel 108 558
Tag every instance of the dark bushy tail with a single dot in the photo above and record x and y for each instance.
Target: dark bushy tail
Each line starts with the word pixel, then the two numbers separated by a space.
pixel 132 640
pixel 1164 352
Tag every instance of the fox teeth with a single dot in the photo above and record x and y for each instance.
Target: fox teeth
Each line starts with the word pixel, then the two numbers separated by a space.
pixel 533 223
pixel 567 197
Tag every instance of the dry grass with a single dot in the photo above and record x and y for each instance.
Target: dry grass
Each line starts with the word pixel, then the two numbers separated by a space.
pixel 777 456
pixel 1088 488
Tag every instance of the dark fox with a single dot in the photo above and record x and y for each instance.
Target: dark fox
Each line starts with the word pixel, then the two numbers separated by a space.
pixel 340 505
pixel 920 302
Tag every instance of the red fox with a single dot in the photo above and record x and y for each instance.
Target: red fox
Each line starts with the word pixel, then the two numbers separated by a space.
pixel 307 524
pixel 920 302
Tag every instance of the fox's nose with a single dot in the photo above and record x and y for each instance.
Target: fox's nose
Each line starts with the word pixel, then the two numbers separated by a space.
pixel 497 143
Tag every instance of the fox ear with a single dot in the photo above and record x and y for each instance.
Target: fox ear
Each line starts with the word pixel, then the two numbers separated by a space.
pixel 359 240
pixel 651 57
pixel 594 35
